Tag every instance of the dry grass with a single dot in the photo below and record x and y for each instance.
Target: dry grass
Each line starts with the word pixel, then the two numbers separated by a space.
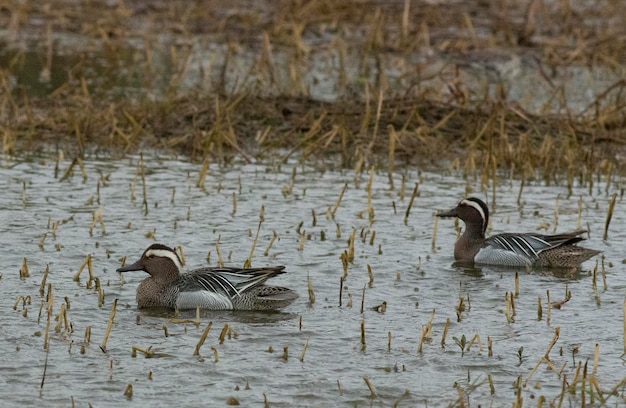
pixel 426 131
pixel 221 120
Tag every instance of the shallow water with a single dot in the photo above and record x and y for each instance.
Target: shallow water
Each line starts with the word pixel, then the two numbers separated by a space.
pixel 327 362
pixel 322 75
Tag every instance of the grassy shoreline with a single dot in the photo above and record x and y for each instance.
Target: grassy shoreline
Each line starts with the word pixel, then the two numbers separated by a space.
pixel 453 123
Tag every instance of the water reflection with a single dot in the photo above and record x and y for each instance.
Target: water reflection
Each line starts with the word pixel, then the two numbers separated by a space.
pixel 561 273
pixel 126 73
pixel 468 269
pixel 241 316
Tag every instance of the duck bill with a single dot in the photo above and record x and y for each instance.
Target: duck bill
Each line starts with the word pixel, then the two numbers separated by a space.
pixel 137 266
pixel 450 213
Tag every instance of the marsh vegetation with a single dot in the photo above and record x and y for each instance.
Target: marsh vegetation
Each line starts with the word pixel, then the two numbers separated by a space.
pixel 323 136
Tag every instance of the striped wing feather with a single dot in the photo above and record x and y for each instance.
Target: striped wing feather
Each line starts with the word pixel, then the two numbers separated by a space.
pixel 230 281
pixel 531 245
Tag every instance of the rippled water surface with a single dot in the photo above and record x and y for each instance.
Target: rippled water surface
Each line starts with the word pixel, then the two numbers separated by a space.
pixel 327 364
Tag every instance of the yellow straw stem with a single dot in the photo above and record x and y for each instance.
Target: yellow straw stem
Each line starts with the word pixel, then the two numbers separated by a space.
pixel 306 345
pixel 351 246
pixel 128 392
pixel 202 176
pixel 205 333
pixel 423 331
pixel 445 333
pixel 269 246
pixel 302 241
pixel 392 152
pixel 408 209
pixel 476 339
pixel 19 299
pixel 609 215
pixel 24 269
pixel 223 333
pixel 107 332
pixel 220 261
pixel 310 289
pixel 345 187
pixel 596 358
pixel 46 336
pixel 372 238
pixel 80 270
pixel 61 318
pixel 370 386
pixel 87 335
pixel 557 332
pixel 248 262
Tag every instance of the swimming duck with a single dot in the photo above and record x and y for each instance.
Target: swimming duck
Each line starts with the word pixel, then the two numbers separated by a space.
pixel 512 249
pixel 206 288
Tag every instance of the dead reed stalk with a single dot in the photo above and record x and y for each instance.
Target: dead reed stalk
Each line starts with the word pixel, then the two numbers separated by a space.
pixel 248 262
pixel 609 215
pixel 408 209
pixel 205 333
pixel 107 332
pixel 310 289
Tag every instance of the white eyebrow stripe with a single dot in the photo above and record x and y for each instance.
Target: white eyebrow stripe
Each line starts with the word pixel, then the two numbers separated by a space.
pixel 165 254
pixel 478 208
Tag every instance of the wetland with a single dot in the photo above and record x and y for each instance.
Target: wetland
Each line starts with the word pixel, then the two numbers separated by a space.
pixel 324 137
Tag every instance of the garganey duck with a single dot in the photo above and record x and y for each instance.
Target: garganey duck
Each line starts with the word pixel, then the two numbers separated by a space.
pixel 206 288
pixel 512 249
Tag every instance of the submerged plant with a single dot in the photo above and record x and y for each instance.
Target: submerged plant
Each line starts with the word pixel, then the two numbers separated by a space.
pixel 461 343
pixel 520 358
